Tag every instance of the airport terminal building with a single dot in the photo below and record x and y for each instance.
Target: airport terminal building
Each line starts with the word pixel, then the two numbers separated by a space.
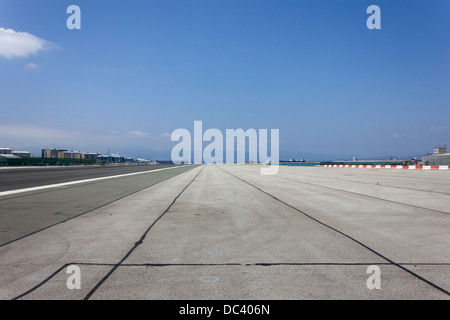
pixel 439 158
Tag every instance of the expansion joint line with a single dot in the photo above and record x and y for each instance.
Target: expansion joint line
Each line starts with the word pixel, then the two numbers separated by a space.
pixel 367 196
pixel 140 241
pixel 43 282
pixel 344 234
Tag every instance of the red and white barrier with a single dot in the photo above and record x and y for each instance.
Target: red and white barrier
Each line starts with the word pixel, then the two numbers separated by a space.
pixel 382 166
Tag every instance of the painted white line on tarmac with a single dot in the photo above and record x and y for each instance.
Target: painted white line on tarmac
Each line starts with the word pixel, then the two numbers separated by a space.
pixel 64 184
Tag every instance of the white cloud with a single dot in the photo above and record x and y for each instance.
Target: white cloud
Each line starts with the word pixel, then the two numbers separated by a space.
pixel 165 135
pixel 139 133
pixel 162 137
pixel 34 132
pixel 16 44
pixel 439 128
pixel 31 66
pixel 22 134
pixel 37 137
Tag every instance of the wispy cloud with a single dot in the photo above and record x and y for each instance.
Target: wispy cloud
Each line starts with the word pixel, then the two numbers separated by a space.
pixel 26 131
pixel 41 136
pixel 24 134
pixel 31 66
pixel 439 128
pixel 139 133
pixel 16 44
pixel 165 135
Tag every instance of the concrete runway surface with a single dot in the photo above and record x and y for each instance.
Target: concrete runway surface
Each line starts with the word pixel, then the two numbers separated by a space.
pixel 226 232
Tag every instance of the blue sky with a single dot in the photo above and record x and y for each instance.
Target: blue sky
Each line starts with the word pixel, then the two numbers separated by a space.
pixel 139 69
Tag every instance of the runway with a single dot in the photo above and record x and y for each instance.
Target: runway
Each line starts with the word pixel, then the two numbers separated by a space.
pixel 48 196
pixel 25 177
pixel 217 232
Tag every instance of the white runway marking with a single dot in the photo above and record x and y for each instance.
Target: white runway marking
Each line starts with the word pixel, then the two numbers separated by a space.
pixel 64 184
